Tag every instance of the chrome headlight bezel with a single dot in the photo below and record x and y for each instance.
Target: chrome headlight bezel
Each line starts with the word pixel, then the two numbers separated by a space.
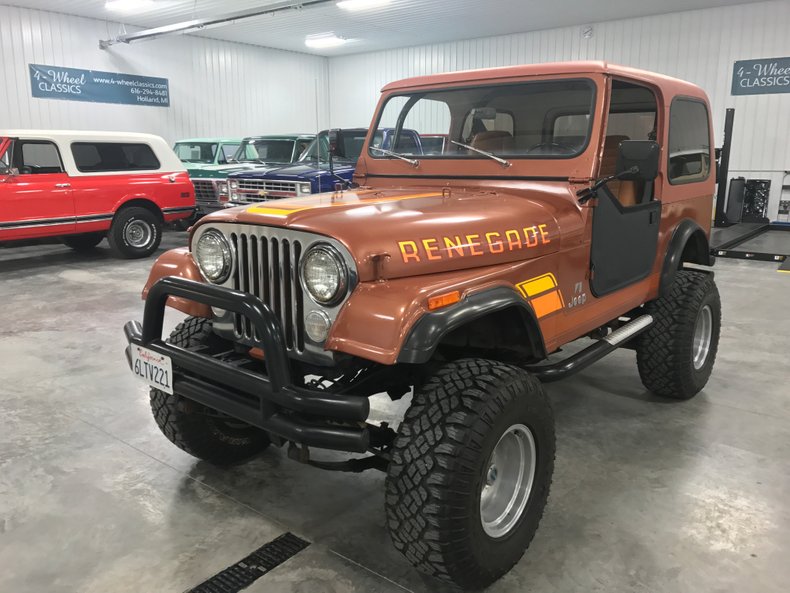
pixel 342 270
pixel 227 255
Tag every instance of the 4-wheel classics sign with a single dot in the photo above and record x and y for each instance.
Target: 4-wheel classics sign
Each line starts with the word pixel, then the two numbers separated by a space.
pixel 96 86
pixel 761 77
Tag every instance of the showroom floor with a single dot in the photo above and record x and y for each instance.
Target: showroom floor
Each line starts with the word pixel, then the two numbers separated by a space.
pixel 648 495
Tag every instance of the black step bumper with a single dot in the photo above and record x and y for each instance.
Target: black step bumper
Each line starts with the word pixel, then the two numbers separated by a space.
pixel 267 399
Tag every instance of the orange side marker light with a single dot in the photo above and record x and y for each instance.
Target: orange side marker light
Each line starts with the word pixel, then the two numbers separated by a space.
pixel 442 300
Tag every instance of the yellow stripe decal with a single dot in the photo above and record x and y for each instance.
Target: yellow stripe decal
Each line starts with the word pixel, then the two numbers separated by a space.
pixel 287 209
pixel 547 303
pixel 537 285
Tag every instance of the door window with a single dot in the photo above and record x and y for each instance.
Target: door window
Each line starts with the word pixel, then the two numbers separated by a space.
pixel 37 157
pixel 105 157
pixel 689 142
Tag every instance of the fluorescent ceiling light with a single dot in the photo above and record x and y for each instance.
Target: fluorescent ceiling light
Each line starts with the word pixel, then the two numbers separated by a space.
pixel 324 40
pixel 361 4
pixel 128 5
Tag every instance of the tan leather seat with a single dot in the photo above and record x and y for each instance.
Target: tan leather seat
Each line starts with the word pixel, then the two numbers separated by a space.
pixel 494 141
pixel 626 192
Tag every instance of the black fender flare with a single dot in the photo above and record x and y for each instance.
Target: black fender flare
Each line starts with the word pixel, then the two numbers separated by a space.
pixel 685 232
pixel 429 330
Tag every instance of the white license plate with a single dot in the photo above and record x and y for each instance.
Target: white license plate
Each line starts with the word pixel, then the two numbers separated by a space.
pixel 153 368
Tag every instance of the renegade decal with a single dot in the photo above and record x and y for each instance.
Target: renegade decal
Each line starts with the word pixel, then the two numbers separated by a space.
pixel 542 293
pixel 475 244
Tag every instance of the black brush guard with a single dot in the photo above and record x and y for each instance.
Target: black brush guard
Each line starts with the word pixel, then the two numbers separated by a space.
pixel 267 400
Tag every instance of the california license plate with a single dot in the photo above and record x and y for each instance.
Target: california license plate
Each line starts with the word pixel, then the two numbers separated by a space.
pixel 153 368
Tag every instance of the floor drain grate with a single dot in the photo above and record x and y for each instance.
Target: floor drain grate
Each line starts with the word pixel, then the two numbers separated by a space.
pixel 247 570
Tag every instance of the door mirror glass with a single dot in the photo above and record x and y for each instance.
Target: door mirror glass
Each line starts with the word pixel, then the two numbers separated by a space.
pixel 638 160
pixel 332 138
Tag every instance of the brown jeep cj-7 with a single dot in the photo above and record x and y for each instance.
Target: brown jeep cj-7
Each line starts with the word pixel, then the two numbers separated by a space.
pixel 565 204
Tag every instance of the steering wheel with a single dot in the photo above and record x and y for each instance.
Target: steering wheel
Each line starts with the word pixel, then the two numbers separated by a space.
pixel 551 148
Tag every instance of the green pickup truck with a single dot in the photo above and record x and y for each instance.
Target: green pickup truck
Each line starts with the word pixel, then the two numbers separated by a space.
pixel 210 161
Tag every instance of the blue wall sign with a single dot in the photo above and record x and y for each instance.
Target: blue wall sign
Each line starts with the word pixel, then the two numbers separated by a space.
pixel 74 84
pixel 761 77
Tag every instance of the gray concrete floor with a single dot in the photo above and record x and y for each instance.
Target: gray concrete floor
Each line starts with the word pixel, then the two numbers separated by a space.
pixel 648 495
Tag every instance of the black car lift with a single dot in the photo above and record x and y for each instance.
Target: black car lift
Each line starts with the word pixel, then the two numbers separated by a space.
pixel 763 241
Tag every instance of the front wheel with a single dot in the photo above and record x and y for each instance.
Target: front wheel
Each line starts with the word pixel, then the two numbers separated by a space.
pixel 675 355
pixel 135 232
pixel 200 431
pixel 470 472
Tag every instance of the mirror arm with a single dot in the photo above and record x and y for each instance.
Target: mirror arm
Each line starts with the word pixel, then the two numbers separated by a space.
pixel 588 193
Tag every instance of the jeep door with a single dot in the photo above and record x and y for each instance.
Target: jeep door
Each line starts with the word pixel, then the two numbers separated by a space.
pixel 38 200
pixel 626 214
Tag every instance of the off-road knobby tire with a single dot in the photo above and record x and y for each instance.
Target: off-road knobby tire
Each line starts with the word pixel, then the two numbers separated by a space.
pixel 186 423
pixel 664 353
pixel 438 466
pixel 117 234
pixel 84 242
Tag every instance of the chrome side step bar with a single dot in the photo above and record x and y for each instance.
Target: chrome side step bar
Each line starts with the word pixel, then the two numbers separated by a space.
pixel 593 353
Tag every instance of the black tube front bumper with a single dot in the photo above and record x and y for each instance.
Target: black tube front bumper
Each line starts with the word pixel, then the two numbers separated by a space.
pixel 268 400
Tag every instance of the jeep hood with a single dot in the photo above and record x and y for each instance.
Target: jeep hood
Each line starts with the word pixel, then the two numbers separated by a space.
pixel 399 233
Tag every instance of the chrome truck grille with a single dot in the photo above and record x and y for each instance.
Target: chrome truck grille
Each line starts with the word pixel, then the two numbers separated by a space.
pixel 268 267
pixel 262 190
pixel 205 191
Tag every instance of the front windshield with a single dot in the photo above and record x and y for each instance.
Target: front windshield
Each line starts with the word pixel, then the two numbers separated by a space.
pixel 510 120
pixel 196 152
pixel 349 146
pixel 264 150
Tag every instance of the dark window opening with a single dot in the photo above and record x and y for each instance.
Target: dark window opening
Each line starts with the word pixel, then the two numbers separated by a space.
pixel 105 157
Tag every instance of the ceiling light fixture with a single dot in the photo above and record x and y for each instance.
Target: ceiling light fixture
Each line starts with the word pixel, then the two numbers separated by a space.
pixel 355 5
pixel 324 40
pixel 128 5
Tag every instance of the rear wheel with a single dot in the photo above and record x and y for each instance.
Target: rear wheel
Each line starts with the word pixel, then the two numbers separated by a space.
pixel 135 232
pixel 84 242
pixel 196 429
pixel 675 355
pixel 470 472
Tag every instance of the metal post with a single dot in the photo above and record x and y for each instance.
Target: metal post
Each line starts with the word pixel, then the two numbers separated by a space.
pixel 720 219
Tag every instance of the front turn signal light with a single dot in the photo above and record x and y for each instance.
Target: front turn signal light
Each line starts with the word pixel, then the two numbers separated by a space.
pixel 443 300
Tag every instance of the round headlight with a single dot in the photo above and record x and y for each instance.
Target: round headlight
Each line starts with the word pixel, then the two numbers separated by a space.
pixel 324 275
pixel 213 256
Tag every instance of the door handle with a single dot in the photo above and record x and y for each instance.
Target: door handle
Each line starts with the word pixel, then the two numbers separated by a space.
pixel 62 185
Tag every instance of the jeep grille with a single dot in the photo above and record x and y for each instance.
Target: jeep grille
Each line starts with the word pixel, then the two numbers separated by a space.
pixel 268 267
pixel 205 191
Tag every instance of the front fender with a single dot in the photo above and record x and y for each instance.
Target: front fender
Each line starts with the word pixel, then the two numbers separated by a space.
pixel 178 262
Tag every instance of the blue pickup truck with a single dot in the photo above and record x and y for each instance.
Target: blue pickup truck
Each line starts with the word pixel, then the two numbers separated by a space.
pixel 311 174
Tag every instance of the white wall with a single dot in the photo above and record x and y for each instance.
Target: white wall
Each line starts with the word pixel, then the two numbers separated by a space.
pixel 699 46
pixel 216 87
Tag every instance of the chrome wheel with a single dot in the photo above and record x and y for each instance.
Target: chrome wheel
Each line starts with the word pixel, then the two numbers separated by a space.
pixel 508 480
pixel 138 233
pixel 703 332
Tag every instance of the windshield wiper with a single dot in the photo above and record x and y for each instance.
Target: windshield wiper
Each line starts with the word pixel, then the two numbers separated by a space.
pixel 412 162
pixel 502 162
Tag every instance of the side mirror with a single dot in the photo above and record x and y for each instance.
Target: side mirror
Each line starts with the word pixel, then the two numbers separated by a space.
pixel 638 160
pixel 332 137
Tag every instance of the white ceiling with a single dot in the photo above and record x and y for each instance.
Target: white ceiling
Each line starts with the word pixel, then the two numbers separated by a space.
pixel 402 23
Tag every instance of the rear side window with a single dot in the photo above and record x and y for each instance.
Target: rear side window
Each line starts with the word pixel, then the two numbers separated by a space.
pixel 37 156
pixel 689 142
pixel 104 157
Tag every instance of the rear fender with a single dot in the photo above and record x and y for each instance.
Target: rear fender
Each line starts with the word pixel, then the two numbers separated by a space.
pixel 178 262
pixel 688 244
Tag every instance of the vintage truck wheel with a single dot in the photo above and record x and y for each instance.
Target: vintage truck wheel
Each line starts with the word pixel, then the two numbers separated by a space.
pixel 675 355
pixel 198 430
pixel 135 232
pixel 470 472
pixel 84 242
